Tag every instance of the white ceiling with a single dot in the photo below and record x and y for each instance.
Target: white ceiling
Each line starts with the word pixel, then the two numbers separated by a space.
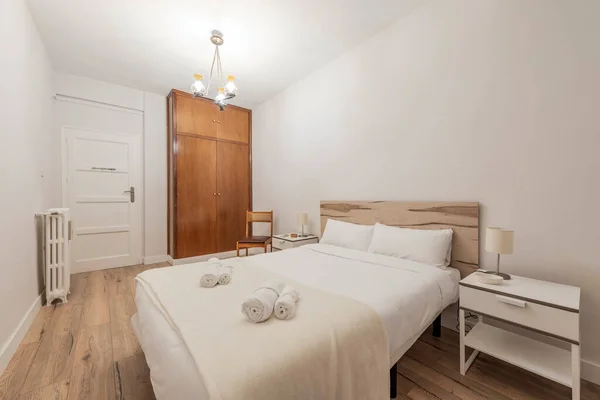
pixel 156 45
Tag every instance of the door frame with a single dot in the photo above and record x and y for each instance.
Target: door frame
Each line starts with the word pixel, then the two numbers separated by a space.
pixel 64 156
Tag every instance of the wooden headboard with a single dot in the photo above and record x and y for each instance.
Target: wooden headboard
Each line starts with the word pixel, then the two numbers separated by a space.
pixel 462 218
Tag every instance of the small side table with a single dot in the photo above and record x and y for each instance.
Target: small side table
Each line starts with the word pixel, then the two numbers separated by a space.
pixel 547 308
pixel 285 241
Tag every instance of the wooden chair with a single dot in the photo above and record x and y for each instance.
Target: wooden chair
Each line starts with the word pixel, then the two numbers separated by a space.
pixel 250 242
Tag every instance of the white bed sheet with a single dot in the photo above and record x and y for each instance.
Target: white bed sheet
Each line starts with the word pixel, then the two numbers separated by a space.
pixel 407 296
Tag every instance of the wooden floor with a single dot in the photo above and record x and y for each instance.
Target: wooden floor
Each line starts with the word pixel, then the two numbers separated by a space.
pixel 85 349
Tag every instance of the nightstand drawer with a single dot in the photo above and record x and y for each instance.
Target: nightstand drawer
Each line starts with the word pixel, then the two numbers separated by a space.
pixel 554 321
pixel 282 244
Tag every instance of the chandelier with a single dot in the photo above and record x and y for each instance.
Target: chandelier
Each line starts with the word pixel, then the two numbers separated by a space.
pixel 225 92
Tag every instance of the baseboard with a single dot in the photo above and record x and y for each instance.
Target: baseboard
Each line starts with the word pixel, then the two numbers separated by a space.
pixel 590 371
pixel 189 260
pixel 11 345
pixel 156 259
pixel 227 254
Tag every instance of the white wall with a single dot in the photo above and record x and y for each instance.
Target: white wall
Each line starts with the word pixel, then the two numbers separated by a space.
pixel 155 177
pixel 495 101
pixel 90 104
pixel 80 87
pixel 25 166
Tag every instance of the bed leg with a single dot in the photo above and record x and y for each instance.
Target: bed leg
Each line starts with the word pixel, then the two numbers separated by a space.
pixel 394 381
pixel 437 326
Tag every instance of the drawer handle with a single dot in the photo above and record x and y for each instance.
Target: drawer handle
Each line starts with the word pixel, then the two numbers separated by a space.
pixel 511 301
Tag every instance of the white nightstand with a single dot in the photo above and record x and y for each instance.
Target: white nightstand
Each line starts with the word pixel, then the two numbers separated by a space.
pixel 285 241
pixel 543 307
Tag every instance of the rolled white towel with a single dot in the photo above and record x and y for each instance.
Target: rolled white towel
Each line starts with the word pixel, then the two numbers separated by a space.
pixel 258 307
pixel 285 306
pixel 210 276
pixel 213 260
pixel 224 274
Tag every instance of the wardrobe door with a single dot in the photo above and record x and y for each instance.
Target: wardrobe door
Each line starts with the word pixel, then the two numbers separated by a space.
pixel 233 124
pixel 196 200
pixel 195 116
pixel 232 193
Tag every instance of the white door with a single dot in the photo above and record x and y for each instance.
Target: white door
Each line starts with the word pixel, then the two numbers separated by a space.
pixel 101 175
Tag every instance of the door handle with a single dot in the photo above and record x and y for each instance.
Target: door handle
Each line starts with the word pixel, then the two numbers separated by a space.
pixel 103 169
pixel 131 192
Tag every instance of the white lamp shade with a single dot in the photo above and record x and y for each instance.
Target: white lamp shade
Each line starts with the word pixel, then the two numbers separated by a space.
pixel 499 240
pixel 303 219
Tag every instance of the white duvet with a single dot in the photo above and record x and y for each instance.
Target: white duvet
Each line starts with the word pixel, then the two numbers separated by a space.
pixel 406 295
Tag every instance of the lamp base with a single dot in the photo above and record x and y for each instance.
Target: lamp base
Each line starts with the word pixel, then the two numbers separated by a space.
pixel 503 275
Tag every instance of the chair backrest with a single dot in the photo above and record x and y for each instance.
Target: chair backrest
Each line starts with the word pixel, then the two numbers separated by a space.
pixel 259 216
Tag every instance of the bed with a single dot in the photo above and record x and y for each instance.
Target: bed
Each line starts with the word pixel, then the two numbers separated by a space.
pixel 405 295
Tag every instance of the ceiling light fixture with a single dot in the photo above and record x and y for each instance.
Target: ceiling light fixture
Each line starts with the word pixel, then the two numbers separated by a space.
pixel 224 93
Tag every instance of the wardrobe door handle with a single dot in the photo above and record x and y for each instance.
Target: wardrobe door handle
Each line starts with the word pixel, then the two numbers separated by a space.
pixel 214 194
pixel 218 194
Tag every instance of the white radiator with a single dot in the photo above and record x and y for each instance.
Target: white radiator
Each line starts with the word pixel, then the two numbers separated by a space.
pixel 57 254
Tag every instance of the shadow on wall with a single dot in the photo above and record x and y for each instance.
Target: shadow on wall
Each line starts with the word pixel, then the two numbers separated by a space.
pixel 39 235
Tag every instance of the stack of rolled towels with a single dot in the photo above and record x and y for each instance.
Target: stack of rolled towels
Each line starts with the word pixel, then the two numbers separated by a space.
pixel 215 273
pixel 272 297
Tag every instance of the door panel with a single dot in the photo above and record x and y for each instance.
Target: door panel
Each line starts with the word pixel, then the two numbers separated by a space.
pixel 100 183
pixel 196 116
pixel 100 168
pixel 233 198
pixel 196 202
pixel 233 124
pixel 101 213
pixel 89 248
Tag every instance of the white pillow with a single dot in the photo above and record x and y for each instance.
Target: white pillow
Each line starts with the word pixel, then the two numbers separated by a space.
pixel 345 234
pixel 431 247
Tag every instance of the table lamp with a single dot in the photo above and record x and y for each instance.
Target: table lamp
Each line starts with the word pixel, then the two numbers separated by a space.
pixel 302 220
pixel 499 241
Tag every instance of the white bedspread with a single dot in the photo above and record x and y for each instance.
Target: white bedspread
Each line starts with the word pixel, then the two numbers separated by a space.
pixel 406 295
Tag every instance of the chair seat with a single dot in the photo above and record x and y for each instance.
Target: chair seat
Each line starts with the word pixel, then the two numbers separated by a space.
pixel 255 239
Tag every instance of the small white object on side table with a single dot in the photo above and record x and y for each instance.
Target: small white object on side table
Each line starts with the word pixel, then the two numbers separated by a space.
pixel 550 309
pixel 285 241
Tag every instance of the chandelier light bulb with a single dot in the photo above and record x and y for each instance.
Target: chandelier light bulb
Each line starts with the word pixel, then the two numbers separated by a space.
pixel 230 88
pixel 220 97
pixel 198 88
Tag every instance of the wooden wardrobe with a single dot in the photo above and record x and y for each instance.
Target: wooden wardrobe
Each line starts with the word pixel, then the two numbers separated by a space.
pixel 210 170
